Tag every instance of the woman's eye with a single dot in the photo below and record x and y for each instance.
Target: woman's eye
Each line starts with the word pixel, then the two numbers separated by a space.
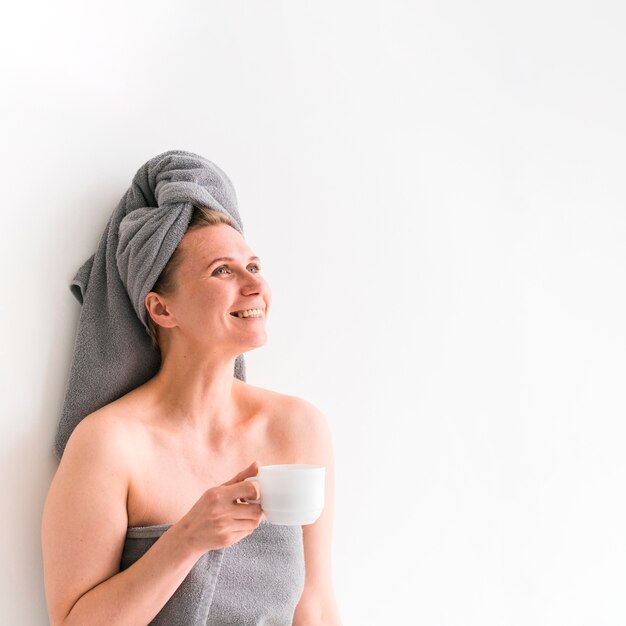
pixel 221 267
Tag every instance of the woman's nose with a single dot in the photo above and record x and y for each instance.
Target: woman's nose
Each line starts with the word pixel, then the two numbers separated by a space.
pixel 254 281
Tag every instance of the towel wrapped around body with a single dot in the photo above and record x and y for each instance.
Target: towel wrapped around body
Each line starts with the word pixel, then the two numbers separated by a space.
pixel 256 581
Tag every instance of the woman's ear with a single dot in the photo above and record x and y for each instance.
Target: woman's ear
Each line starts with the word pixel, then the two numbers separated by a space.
pixel 158 310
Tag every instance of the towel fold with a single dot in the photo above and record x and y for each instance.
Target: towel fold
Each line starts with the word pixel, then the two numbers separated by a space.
pixel 113 353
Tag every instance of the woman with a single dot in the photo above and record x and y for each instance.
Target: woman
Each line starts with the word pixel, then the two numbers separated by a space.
pixel 172 454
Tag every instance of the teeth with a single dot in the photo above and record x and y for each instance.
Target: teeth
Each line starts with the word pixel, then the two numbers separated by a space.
pixel 250 313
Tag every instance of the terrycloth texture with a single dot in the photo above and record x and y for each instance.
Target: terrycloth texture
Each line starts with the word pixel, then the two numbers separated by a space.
pixel 256 581
pixel 112 350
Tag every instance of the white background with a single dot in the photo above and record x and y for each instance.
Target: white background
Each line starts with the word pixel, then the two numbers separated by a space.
pixel 437 192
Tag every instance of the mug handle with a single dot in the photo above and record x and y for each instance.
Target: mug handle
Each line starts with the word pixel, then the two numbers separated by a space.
pixel 249 501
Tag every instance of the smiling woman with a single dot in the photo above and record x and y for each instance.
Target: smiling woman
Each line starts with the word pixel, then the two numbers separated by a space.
pixel 147 519
pixel 191 306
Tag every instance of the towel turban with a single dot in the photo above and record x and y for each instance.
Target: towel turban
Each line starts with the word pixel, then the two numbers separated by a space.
pixel 113 353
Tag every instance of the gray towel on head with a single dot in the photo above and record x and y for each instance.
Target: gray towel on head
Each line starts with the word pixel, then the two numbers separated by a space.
pixel 113 353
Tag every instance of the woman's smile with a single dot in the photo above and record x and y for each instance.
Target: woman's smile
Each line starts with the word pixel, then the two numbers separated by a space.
pixel 252 312
pixel 252 316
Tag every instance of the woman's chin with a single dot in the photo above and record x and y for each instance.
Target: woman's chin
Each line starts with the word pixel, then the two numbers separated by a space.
pixel 258 344
pixel 250 343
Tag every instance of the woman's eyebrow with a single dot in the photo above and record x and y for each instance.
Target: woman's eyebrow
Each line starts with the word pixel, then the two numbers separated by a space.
pixel 229 258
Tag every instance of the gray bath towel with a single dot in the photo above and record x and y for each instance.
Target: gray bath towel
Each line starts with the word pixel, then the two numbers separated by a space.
pixel 113 353
pixel 256 581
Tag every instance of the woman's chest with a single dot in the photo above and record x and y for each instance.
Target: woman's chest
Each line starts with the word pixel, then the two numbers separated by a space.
pixel 167 480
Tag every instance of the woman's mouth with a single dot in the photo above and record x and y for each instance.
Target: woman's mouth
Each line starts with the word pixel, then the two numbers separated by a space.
pixel 249 314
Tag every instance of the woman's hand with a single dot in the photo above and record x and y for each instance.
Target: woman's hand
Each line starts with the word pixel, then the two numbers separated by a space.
pixel 217 519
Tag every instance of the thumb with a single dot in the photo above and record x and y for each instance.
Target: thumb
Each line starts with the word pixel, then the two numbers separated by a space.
pixel 251 470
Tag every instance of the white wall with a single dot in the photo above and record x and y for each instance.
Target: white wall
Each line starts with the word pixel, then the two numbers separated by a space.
pixel 437 191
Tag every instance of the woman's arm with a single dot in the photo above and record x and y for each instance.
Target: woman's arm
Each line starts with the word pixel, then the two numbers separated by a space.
pixel 83 532
pixel 317 605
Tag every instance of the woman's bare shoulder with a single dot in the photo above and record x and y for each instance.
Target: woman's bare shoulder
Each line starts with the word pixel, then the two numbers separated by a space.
pixel 110 428
pixel 293 418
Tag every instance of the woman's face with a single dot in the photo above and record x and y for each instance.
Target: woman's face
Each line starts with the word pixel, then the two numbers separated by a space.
pixel 209 289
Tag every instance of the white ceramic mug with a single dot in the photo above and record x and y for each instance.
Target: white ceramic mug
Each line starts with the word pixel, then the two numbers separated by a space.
pixel 291 494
